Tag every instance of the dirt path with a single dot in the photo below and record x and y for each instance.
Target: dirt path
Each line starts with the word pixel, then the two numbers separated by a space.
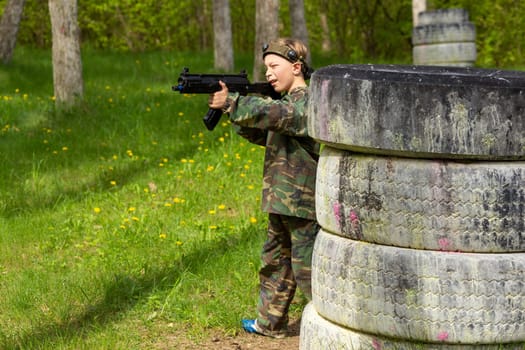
pixel 242 341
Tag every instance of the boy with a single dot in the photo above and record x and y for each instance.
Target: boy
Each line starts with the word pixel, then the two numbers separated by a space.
pixel 290 165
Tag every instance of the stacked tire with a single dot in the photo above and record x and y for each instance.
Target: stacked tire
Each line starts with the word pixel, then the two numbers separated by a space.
pixel 444 38
pixel 421 199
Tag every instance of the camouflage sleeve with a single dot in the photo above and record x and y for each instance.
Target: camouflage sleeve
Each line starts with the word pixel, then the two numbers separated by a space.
pixel 256 136
pixel 286 116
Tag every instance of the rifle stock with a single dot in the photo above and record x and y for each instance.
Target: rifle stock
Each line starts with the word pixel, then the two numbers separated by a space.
pixel 209 83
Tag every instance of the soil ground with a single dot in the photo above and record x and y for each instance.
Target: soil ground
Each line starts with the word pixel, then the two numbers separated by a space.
pixel 241 341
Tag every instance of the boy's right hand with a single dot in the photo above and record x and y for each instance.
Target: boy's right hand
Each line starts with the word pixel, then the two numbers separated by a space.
pixel 217 100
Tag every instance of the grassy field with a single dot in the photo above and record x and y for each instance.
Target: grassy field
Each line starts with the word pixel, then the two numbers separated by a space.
pixel 125 219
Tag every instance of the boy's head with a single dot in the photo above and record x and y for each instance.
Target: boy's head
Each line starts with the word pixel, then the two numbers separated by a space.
pixel 292 50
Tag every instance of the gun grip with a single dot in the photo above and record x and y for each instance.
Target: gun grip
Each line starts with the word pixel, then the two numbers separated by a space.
pixel 211 119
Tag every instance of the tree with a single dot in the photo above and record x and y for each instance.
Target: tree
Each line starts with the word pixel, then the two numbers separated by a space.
pixel 417 7
pixel 298 22
pixel 223 43
pixel 9 28
pixel 67 63
pixel 266 29
pixel 326 42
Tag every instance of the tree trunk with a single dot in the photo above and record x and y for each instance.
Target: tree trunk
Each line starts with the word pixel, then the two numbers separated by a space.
pixel 266 29
pixel 417 7
pixel 67 63
pixel 9 28
pixel 326 44
pixel 223 43
pixel 298 21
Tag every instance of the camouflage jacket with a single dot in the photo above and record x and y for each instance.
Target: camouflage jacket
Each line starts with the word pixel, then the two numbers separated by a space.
pixel 290 161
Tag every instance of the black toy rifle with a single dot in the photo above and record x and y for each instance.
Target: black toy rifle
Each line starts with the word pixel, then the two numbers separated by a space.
pixel 209 83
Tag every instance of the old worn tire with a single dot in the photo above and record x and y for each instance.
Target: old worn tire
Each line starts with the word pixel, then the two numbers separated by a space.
pixel 318 333
pixel 455 15
pixel 419 111
pixel 461 54
pixel 444 33
pixel 419 295
pixel 422 204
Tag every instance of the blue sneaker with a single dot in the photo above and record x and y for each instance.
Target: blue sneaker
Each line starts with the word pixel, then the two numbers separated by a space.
pixel 251 326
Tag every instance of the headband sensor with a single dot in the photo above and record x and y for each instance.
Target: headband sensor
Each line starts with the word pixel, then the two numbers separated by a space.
pixel 281 50
pixel 288 54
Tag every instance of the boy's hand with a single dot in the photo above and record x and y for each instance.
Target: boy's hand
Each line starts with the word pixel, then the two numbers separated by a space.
pixel 217 100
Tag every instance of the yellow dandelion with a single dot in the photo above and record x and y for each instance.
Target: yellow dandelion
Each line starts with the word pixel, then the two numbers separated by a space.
pixel 168 204
pixel 212 212
pixel 179 243
pixel 210 168
pixel 97 210
pixel 64 148
pixel 221 207
pixel 213 227
pixel 253 220
pixel 113 183
pixel 134 218
pixel 181 114
pixel 162 236
pixel 131 209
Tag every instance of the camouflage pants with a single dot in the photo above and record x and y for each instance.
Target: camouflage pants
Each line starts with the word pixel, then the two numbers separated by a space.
pixel 286 263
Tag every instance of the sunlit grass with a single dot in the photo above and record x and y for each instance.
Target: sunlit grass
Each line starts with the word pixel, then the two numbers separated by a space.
pixel 125 215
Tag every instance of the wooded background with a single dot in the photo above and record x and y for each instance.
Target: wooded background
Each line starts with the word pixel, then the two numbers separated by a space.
pixel 352 30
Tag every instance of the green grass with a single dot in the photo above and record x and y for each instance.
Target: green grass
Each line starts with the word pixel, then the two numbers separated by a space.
pixel 124 220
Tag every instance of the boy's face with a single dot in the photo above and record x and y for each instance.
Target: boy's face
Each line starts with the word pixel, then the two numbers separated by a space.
pixel 280 72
